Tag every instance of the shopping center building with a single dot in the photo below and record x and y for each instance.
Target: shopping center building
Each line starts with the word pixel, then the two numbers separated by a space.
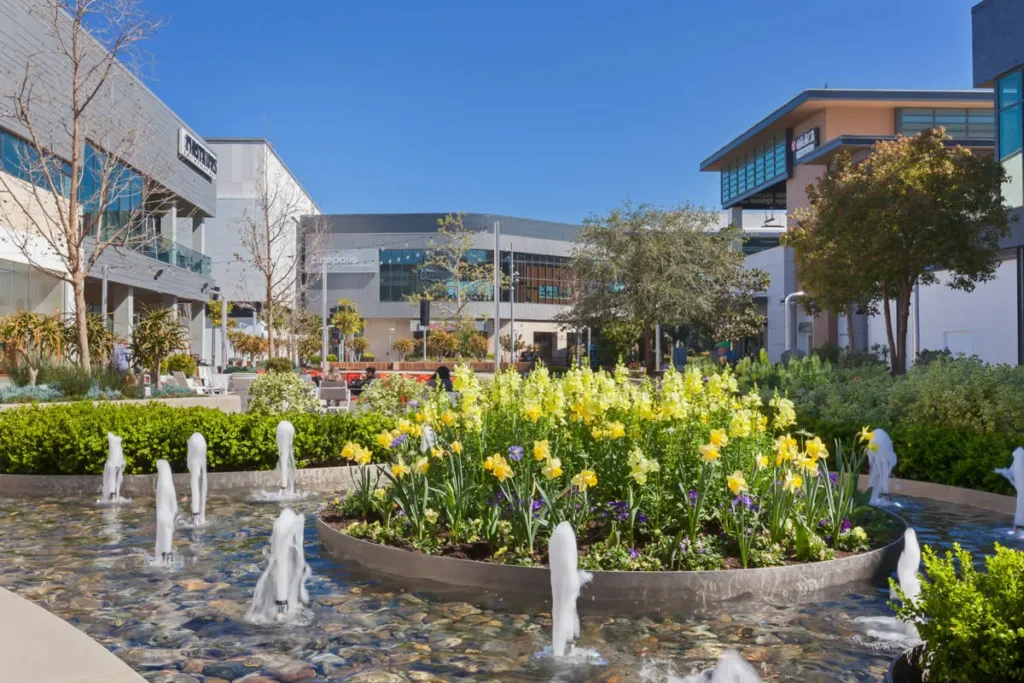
pixel 770 165
pixel 166 265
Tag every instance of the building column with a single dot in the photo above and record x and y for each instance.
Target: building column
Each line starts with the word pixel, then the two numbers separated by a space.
pixel 170 301
pixel 169 230
pixel 122 302
pixel 1020 305
pixel 736 216
pixel 199 234
pixel 197 328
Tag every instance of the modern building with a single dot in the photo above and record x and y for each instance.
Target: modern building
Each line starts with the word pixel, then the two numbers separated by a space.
pixel 770 165
pixel 166 264
pixel 374 261
pixel 999 63
pixel 254 189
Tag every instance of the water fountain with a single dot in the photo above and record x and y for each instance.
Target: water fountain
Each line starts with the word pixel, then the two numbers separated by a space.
pixel 891 630
pixel 197 477
pixel 881 462
pixel 113 472
pixel 166 514
pixel 1015 475
pixel 731 668
pixel 286 457
pixel 281 591
pixel 566 581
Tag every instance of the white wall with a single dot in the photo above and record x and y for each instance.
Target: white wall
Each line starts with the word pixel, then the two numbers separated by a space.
pixel 982 323
pixel 778 263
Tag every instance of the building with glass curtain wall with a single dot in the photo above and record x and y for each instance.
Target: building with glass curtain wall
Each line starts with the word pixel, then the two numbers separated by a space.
pixel 998 56
pixel 166 266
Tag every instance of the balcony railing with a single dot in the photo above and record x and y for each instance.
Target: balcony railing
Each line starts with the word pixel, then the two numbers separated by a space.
pixel 171 253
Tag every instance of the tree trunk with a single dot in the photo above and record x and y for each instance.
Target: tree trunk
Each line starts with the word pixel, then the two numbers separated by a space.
pixel 78 285
pixel 851 340
pixel 269 314
pixel 902 319
pixel 888 331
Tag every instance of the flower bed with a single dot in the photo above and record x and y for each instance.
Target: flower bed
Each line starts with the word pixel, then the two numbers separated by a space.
pixel 691 475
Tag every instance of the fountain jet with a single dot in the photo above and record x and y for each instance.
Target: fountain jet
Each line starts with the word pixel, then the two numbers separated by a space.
pixel 881 462
pixel 1015 475
pixel 566 581
pixel 282 588
pixel 166 513
pixel 197 477
pixel 286 457
pixel 908 566
pixel 113 471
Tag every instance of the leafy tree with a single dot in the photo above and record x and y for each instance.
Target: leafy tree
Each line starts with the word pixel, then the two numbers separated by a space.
pixel 347 320
pixel 359 346
pixel 309 333
pixel 403 346
pixel 620 336
pixel 476 346
pixel 640 265
pixel 442 344
pixel 914 208
pixel 157 335
pixel 214 309
pixel 456 277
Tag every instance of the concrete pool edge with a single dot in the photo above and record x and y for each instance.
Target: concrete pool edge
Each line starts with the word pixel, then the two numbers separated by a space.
pixel 618 592
pixel 29 636
pixel 943 493
pixel 316 479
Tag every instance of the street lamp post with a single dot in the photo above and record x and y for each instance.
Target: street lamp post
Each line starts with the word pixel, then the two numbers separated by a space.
pixel 787 302
pixel 514 278
pixel 391 341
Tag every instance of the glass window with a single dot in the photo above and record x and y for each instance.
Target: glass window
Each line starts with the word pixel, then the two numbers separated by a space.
pixel 1009 90
pixel 765 164
pixel 1009 131
pixel 981 123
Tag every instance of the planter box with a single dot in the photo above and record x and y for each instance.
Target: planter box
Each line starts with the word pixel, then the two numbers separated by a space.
pixel 905 669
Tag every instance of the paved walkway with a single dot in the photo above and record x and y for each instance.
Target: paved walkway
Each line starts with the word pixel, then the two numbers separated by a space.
pixel 36 646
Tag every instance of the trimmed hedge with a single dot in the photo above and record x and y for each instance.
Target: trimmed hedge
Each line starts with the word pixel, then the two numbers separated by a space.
pixel 72 439
pixel 940 454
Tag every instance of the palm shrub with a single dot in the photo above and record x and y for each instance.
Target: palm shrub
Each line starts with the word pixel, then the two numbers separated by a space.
pixel 101 338
pixel 32 335
pixel 158 334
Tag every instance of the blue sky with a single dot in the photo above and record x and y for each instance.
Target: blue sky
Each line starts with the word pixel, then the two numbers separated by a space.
pixel 548 110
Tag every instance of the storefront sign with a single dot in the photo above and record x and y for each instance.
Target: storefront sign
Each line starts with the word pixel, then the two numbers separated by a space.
pixel 805 144
pixel 347 260
pixel 196 153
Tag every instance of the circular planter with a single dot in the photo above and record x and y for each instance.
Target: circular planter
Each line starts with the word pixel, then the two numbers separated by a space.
pixel 618 592
pixel 905 669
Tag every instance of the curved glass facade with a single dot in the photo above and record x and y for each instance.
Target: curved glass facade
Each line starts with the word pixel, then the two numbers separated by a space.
pixel 766 164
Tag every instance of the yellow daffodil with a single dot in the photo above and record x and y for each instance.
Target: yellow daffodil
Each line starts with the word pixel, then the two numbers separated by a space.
pixel 384 439
pixel 552 469
pixel 430 515
pixel 792 482
pixel 456 447
pixel 415 431
pixel 866 435
pixel 785 449
pixel 762 462
pixel 533 412
pixel 422 465
pixel 419 417
pixel 808 465
pixel 501 469
pixel 404 426
pixel 437 452
pixel 719 438
pixel 815 449
pixel 616 430
pixel 400 469
pixel 449 418
pixel 491 461
pixel 737 484
pixel 541 450
pixel 584 480
pixel 362 456
pixel 380 493
pixel 597 433
pixel 709 452
pixel 349 450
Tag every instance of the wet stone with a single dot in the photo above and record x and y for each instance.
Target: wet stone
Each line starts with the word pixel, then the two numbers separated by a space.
pixel 377 677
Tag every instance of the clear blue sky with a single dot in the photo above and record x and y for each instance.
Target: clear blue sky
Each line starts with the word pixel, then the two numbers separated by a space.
pixel 548 110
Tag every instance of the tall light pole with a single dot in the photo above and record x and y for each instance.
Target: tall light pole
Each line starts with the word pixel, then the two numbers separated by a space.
pixel 224 332
pixel 514 278
pixel 497 296
pixel 105 270
pixel 391 341
pixel 323 314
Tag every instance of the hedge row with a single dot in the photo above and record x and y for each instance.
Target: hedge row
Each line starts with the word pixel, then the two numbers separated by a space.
pixel 72 439
pixel 940 454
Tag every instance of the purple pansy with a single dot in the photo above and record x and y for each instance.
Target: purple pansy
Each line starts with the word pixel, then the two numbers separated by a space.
pixel 515 452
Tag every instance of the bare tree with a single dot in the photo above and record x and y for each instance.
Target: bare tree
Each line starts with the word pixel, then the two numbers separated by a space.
pixel 75 196
pixel 271 236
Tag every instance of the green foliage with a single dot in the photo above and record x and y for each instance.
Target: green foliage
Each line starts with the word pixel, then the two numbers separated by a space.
pixel 939 207
pixel 281 392
pixel 391 395
pixel 332 358
pixel 180 362
pixel 442 344
pixel 72 439
pixel 232 369
pixel 17 369
pixel 403 346
pixel 279 364
pixel 157 335
pixel 972 622
pixel 71 381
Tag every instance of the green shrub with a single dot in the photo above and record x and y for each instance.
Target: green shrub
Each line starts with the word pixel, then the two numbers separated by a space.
pixel 232 369
pixel 180 362
pixel 108 379
pixel 390 395
pixel 280 392
pixel 972 623
pixel 314 360
pixel 332 358
pixel 71 381
pixel 72 439
pixel 279 365
pixel 18 369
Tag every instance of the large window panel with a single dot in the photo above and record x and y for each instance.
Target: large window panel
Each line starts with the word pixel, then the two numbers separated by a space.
pixel 1009 131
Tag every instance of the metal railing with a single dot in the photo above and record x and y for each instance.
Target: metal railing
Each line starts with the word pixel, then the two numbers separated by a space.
pixel 173 254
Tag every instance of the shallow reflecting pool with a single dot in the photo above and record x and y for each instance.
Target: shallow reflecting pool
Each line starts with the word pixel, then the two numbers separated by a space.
pixel 87 565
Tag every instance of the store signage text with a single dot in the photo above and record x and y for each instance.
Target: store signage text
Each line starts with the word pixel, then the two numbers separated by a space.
pixel 197 154
pixel 347 260
pixel 805 144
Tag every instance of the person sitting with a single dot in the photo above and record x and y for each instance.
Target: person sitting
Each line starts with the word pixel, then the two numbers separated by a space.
pixel 364 381
pixel 442 377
